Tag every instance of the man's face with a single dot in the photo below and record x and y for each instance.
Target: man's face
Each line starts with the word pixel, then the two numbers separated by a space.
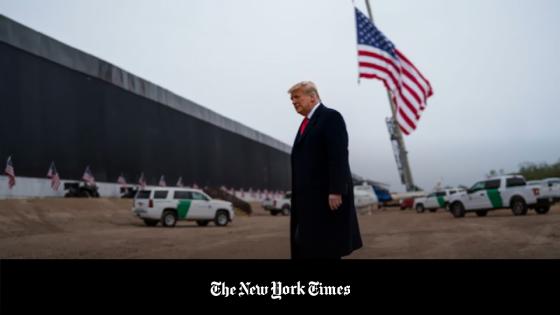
pixel 303 103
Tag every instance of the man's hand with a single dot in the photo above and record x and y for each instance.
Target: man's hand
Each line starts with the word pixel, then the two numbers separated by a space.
pixel 335 201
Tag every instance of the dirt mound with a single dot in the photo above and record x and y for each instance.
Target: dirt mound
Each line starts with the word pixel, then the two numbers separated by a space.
pixel 20 217
pixel 237 203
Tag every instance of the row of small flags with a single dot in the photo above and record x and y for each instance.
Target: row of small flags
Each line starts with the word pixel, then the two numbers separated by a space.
pixel 88 177
pixel 142 181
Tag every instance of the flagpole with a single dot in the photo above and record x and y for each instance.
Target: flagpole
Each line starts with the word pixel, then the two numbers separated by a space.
pixel 396 135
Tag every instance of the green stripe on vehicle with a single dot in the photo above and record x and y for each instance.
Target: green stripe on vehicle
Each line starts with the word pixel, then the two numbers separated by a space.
pixel 495 198
pixel 441 201
pixel 183 208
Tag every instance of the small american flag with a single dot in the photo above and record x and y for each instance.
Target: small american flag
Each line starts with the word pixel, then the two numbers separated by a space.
pixel 121 180
pixel 180 182
pixel 88 176
pixel 53 175
pixel 378 58
pixel 162 182
pixel 9 171
pixel 142 181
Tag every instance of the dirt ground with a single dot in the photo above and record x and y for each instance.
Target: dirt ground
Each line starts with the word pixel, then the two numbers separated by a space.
pixel 106 228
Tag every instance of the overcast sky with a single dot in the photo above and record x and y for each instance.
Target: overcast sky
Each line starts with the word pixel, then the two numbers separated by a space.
pixel 492 65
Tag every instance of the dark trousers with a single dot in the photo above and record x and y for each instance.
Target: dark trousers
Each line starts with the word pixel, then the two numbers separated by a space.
pixel 299 254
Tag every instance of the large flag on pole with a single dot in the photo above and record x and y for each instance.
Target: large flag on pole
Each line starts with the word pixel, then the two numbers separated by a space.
pixel 53 175
pixel 378 58
pixel 10 172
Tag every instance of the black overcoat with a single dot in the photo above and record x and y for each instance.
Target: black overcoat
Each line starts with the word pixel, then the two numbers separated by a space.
pixel 320 167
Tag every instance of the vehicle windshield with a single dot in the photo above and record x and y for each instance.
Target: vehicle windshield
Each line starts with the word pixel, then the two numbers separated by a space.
pixel 199 196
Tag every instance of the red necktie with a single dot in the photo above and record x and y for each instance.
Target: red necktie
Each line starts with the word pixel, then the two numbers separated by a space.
pixel 303 125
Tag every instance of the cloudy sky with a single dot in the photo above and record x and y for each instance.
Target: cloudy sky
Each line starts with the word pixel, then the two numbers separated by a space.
pixel 492 64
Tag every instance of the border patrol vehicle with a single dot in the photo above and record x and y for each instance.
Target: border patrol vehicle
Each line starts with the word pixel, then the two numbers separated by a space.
pixel 509 191
pixel 168 205
pixel 435 200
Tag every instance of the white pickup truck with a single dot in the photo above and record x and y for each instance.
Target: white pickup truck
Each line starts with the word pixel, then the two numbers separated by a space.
pixel 550 187
pixel 435 200
pixel 509 191
pixel 278 205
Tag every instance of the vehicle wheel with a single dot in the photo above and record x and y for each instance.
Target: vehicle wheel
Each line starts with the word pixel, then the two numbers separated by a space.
pixel 169 218
pixel 86 194
pixel 202 222
pixel 150 222
pixel 420 208
pixel 274 212
pixel 286 210
pixel 458 210
pixel 481 213
pixel 433 210
pixel 518 206
pixel 542 209
pixel 222 218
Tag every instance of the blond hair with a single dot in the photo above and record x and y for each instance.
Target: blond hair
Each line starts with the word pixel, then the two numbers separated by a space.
pixel 306 87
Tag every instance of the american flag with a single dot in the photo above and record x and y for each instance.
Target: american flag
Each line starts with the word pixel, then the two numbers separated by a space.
pixel 10 172
pixel 53 175
pixel 378 58
pixel 180 182
pixel 121 180
pixel 88 176
pixel 142 181
pixel 162 182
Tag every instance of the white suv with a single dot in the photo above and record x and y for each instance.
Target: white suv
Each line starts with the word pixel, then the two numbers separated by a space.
pixel 167 205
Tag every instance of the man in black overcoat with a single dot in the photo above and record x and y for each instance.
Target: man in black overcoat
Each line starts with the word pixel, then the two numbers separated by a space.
pixel 323 221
